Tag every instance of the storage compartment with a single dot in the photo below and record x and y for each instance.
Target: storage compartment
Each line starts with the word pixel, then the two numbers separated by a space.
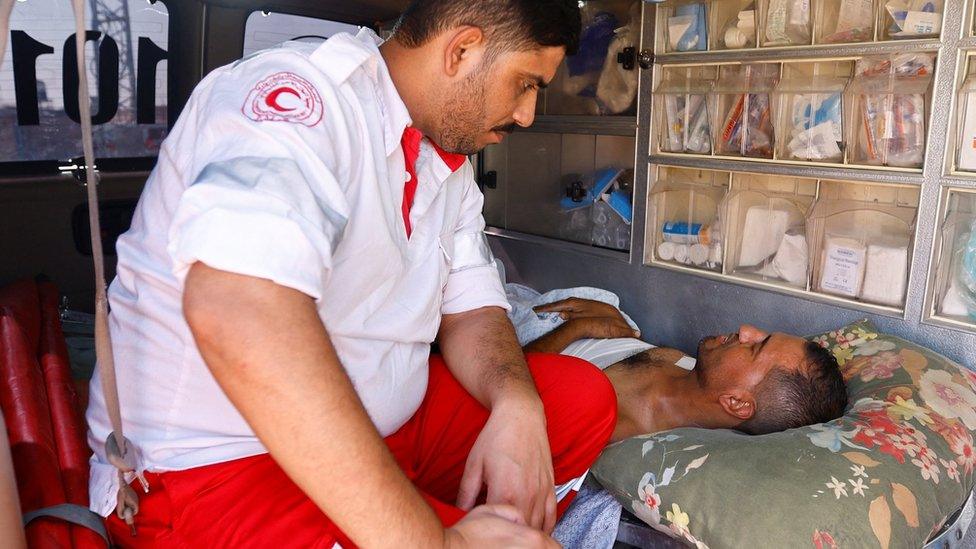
pixel 786 23
pixel 955 282
pixel 685 226
pixel 767 228
pixel 966 119
pixel 743 123
pixel 601 79
pixel 861 237
pixel 890 98
pixel 685 25
pixel 809 108
pixel 846 21
pixel 568 186
pixel 682 110
pixel 734 22
pixel 909 19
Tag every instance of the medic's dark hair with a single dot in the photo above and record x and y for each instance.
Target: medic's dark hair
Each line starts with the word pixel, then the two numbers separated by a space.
pixel 789 399
pixel 509 25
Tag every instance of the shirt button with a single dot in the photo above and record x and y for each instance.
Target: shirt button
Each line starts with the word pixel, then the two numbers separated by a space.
pixel 406 177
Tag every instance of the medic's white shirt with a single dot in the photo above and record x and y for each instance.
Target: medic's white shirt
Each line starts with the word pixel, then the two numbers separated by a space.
pixel 287 166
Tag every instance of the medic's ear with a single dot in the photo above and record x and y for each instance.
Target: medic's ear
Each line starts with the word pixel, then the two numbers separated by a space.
pixel 738 405
pixel 465 45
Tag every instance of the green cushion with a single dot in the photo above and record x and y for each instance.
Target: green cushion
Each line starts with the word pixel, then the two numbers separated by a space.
pixel 886 474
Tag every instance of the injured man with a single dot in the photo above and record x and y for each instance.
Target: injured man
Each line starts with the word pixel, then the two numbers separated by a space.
pixel 750 380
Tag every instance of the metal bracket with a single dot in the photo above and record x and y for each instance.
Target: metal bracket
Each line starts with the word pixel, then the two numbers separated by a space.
pixel 76 167
pixel 627 58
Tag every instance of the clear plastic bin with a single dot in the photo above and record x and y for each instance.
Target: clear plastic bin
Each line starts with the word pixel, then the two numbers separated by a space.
pixel 890 98
pixel 685 25
pixel 809 107
pixel 735 24
pixel 966 121
pixel 861 237
pixel 767 228
pixel 910 19
pixel 568 186
pixel 846 21
pixel 685 223
pixel 595 81
pixel 743 118
pixel 786 23
pixel 956 276
pixel 683 111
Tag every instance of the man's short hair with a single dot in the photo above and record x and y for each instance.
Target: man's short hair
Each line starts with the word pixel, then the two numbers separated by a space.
pixel 509 25
pixel 788 399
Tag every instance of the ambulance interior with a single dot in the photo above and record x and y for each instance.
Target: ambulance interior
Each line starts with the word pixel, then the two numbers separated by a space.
pixel 801 166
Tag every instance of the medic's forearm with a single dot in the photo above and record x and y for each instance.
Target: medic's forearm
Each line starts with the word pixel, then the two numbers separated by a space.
pixel 268 350
pixel 482 352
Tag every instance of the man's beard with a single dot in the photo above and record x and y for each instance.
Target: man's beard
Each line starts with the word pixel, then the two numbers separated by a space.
pixel 464 114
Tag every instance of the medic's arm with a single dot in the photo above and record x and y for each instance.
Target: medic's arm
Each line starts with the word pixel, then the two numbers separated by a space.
pixel 270 353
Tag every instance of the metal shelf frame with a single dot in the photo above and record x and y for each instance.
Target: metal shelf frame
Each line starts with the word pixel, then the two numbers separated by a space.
pixel 582 124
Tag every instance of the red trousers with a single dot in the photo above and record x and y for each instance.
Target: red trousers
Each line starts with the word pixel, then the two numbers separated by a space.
pixel 250 502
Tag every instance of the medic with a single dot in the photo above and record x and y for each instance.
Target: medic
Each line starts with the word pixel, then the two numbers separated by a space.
pixel 311 227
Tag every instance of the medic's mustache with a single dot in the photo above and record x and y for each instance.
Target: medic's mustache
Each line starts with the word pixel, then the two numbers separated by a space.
pixel 508 128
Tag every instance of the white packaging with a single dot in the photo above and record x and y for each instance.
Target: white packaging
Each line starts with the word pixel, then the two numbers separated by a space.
pixel 855 14
pixel 967 145
pixel 885 275
pixel 792 259
pixel 681 252
pixel 762 231
pixel 677 27
pixel 952 303
pixel 843 266
pixel 665 251
pixel 698 254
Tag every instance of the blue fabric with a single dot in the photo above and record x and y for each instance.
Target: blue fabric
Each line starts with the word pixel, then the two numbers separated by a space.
pixel 594 42
pixel 591 521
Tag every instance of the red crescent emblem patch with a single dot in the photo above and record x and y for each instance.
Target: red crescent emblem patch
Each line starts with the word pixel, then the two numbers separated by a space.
pixel 284 97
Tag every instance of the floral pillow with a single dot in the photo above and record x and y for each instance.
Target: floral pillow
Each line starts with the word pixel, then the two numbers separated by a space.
pixel 887 474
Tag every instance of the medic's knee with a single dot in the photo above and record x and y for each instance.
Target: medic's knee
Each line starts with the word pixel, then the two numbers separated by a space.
pixel 579 390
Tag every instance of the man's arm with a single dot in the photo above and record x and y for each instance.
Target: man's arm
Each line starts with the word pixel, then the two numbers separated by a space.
pixel 267 348
pixel 512 455
pixel 585 318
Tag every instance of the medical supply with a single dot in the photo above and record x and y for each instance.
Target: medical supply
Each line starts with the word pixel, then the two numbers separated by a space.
pixel 890 109
pixel 740 32
pixel 854 22
pixel 680 232
pixel 698 254
pixel 914 18
pixel 681 252
pixel 843 266
pixel 687 28
pixel 791 260
pixel 885 274
pixel 787 22
pixel 762 230
pixel 967 139
pixel 665 250
pixel 715 254
pixel 747 129
pixel 687 123
pixel 620 204
pixel 617 87
pixel 953 303
pixel 816 131
pixel 967 271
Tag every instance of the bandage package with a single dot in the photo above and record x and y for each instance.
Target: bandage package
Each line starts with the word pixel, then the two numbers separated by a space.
pixel 788 22
pixel 744 111
pixel 762 231
pixel 885 274
pixel 740 30
pixel 688 28
pixel 814 125
pixel 842 266
pixel 853 22
pixel 914 18
pixel 687 123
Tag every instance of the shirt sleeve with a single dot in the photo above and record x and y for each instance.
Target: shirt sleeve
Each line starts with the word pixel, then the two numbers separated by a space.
pixel 473 281
pixel 259 203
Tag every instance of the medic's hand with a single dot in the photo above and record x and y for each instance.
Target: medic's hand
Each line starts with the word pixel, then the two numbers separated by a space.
pixel 491 526
pixel 512 457
pixel 590 319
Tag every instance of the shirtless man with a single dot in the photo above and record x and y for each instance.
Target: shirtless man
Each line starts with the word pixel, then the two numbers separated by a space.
pixel 751 380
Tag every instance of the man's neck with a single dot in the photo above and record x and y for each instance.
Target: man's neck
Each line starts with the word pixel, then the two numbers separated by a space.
pixel 653 394
pixel 404 64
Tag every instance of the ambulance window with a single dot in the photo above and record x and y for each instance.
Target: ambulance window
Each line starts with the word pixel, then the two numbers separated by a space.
pixel 127 43
pixel 265 29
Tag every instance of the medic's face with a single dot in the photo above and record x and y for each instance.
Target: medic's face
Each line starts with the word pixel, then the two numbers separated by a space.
pixel 743 359
pixel 489 103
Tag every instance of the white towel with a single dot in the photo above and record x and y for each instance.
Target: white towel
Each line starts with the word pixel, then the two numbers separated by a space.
pixel 762 231
pixel 885 275
pixel 530 325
